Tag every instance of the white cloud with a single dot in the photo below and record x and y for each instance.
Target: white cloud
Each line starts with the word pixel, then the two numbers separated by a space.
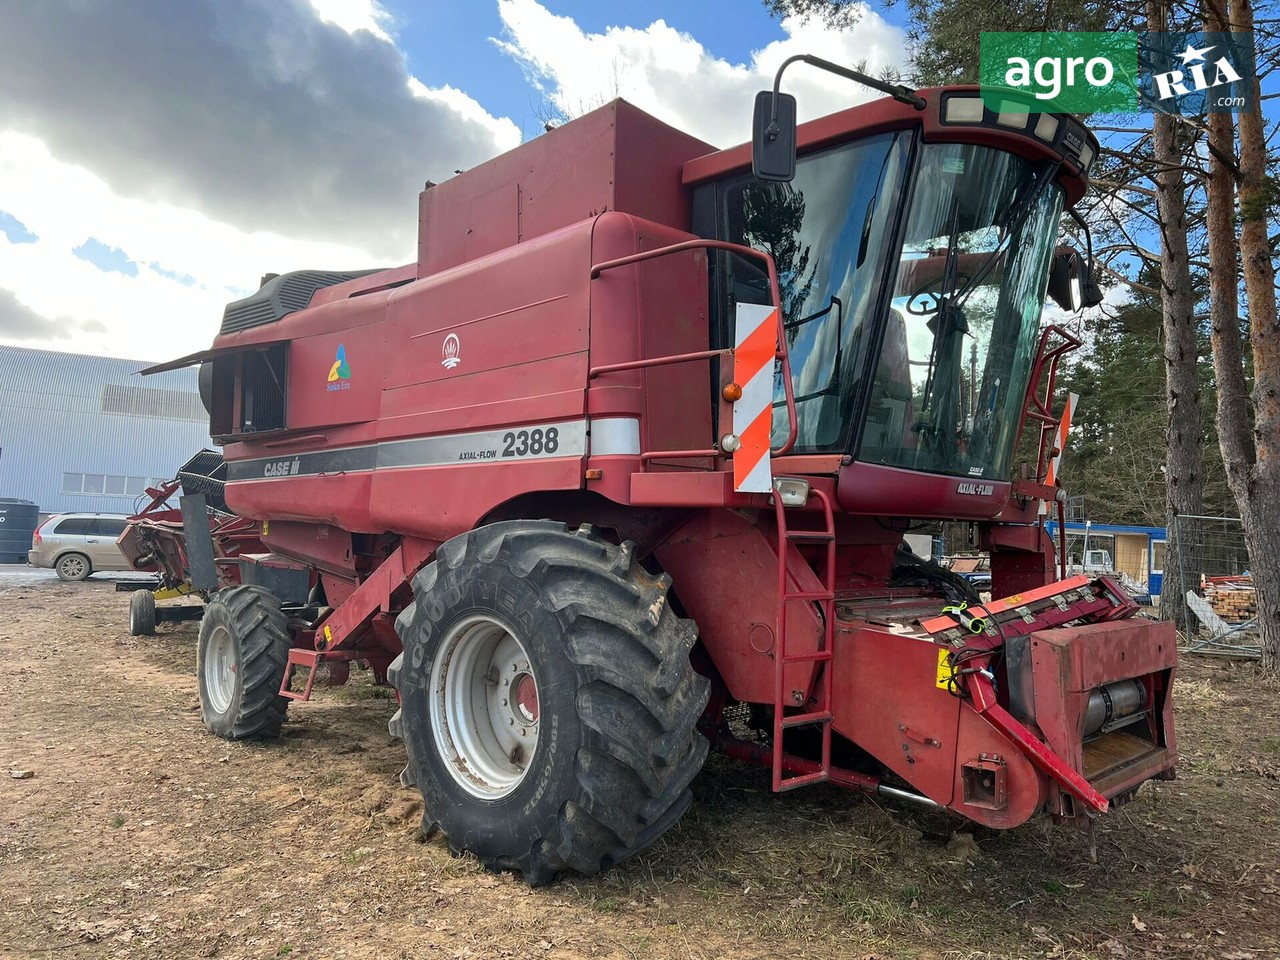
pixel 148 316
pixel 255 112
pixel 355 15
pixel 209 142
pixel 671 75
pixel 505 134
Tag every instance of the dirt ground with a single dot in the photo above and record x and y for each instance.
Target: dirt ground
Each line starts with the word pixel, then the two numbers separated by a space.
pixel 138 835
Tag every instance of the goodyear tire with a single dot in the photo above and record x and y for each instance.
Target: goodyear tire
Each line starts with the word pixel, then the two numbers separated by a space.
pixel 548 706
pixel 73 567
pixel 240 662
pixel 142 614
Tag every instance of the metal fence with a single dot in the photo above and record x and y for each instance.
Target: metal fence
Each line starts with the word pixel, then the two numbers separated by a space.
pixel 1207 589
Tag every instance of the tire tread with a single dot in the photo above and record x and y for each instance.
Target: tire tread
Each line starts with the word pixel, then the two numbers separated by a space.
pixel 260 628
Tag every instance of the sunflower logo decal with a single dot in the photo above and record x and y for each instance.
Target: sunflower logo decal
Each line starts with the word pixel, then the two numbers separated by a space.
pixel 340 372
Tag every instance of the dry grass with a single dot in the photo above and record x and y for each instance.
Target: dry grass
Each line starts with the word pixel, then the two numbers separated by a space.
pixel 142 837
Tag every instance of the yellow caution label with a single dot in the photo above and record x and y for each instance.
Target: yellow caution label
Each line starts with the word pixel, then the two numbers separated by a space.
pixel 945 671
pixel 266 526
pixel 1014 600
pixel 328 634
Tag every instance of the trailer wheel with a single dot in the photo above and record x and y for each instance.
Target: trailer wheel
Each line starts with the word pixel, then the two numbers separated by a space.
pixel 142 614
pixel 548 705
pixel 73 567
pixel 240 662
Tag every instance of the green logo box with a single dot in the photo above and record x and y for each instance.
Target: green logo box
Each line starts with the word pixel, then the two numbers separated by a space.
pixel 1059 72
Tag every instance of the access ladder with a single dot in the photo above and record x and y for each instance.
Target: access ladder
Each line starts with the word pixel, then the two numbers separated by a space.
pixel 820 716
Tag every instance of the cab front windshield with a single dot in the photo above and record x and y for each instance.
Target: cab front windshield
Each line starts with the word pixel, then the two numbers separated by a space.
pixel 948 383
pixel 940 385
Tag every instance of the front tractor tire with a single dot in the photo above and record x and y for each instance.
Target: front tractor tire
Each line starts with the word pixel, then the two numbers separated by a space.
pixel 548 705
pixel 240 661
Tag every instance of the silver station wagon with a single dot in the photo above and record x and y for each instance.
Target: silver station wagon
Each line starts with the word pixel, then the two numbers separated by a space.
pixel 78 544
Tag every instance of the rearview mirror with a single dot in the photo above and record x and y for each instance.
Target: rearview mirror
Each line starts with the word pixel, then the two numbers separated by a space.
pixel 1092 292
pixel 1068 277
pixel 773 138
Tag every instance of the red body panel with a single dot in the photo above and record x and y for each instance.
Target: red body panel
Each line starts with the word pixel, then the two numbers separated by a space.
pixel 918 730
pixel 614 158
pixel 725 566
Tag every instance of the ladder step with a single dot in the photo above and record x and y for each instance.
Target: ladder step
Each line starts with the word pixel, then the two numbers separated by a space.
pixel 811 535
pixel 803 719
pixel 822 656
pixel 791 783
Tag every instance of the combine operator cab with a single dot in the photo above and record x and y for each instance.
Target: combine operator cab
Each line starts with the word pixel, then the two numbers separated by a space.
pixel 619 470
pixel 911 298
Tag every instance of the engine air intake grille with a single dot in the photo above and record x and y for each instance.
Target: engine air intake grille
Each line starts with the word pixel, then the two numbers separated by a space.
pixel 281 296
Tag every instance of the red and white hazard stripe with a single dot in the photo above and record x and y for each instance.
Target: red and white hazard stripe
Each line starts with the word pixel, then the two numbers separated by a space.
pixel 755 345
pixel 1060 439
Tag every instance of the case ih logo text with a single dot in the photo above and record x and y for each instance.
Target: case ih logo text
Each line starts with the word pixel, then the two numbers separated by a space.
pixel 340 372
pixel 450 350
pixel 282 468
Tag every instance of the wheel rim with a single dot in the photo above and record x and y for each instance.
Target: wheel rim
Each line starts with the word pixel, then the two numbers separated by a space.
pixel 220 669
pixel 484 707
pixel 73 566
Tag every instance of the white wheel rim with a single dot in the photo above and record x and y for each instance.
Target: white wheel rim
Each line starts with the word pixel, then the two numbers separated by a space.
pixel 220 669
pixel 73 566
pixel 484 707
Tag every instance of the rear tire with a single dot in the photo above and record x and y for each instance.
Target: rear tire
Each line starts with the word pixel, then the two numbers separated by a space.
pixel 142 614
pixel 523 632
pixel 240 663
pixel 73 567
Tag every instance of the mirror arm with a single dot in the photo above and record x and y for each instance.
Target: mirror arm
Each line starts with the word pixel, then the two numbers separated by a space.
pixel 1088 238
pixel 895 90
pixel 1091 292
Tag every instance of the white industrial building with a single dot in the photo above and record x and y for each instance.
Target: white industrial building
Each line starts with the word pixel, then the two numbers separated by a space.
pixel 87 434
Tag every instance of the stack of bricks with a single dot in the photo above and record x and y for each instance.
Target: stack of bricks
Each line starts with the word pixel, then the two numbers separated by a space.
pixel 1234 600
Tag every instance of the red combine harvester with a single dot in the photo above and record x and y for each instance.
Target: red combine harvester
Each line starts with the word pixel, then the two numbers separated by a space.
pixel 619 470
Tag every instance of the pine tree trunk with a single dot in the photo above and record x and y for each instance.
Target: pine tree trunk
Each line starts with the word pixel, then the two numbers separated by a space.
pixel 1184 438
pixel 1260 504
pixel 1235 436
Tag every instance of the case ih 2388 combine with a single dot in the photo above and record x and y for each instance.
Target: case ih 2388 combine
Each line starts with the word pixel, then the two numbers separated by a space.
pixel 630 451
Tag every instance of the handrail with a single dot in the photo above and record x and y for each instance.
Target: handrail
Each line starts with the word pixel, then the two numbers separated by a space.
pixel 1033 405
pixel 781 353
pixel 656 362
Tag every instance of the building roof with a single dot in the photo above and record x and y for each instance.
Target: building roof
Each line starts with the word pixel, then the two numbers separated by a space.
pixel 1077 526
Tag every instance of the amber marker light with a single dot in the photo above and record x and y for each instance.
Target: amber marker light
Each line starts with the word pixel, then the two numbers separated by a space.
pixel 731 392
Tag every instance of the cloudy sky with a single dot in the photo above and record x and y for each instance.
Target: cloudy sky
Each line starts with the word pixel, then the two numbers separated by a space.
pixel 157 157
